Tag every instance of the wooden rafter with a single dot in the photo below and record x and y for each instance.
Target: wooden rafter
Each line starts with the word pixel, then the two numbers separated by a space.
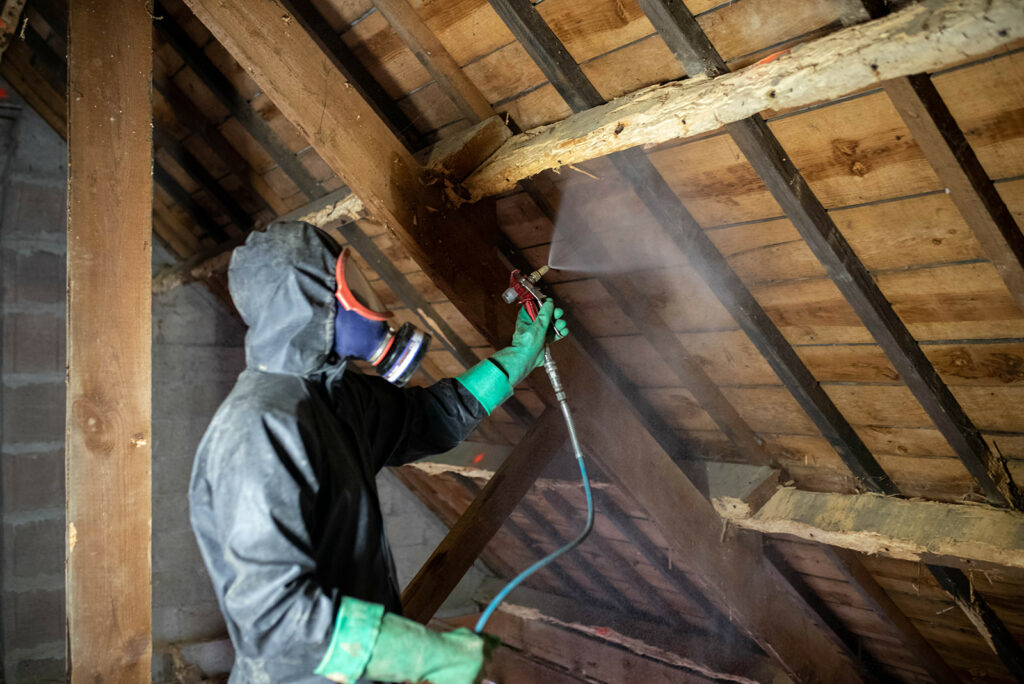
pixel 108 442
pixel 951 155
pixel 881 604
pixel 825 69
pixel 573 85
pixel 481 521
pixel 789 188
pixel 688 41
pixel 459 256
pixel 223 90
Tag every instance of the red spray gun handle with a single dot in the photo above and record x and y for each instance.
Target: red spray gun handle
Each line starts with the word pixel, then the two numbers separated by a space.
pixel 523 289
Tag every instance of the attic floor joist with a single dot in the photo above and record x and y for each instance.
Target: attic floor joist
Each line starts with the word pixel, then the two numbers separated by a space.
pixel 349 136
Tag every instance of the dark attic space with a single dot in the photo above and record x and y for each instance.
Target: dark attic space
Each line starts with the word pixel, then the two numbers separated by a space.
pixel 512 341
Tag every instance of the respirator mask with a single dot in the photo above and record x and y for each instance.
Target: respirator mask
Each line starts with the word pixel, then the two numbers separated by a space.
pixel 361 328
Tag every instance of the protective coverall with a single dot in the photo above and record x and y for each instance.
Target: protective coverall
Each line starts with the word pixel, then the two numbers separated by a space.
pixel 283 496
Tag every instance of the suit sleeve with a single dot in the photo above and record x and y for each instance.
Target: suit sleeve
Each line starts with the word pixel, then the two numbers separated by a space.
pixel 253 508
pixel 407 424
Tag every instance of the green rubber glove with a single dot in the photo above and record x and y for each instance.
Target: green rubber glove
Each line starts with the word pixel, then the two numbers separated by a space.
pixel 491 381
pixel 368 642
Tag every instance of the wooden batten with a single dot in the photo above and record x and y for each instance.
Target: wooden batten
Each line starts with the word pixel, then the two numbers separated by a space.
pixel 108 323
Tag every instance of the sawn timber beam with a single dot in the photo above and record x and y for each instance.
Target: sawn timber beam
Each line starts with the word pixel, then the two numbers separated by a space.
pixel 459 255
pixel 922 37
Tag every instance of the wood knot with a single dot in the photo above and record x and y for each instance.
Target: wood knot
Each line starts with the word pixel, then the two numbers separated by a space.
pixel 94 429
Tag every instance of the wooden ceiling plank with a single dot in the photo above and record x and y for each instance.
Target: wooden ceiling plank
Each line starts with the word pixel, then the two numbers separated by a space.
pixel 651 603
pixel 222 88
pixel 824 69
pixel 453 81
pixel 357 74
pixel 866 663
pixel 186 201
pixel 668 210
pixel 431 53
pixel 108 460
pixel 194 168
pixel 597 587
pixel 880 602
pixel 481 521
pixel 566 582
pixel 762 149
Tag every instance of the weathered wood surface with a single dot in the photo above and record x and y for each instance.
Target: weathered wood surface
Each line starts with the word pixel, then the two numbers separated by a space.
pixel 957 166
pixel 478 523
pixel 917 39
pixel 431 53
pixel 10 19
pixel 108 395
pixel 860 579
pixel 910 530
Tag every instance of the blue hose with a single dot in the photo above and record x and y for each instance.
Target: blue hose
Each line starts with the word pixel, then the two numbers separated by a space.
pixel 556 383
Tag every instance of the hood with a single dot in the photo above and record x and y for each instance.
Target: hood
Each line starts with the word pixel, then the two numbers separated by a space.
pixel 282 282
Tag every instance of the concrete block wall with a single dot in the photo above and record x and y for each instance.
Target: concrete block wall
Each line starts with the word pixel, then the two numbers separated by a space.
pixel 32 274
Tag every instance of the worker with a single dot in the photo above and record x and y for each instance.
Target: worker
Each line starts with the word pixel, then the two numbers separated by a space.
pixel 283 498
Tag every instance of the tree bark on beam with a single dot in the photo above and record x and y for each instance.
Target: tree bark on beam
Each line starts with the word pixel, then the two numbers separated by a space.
pixel 929 531
pixel 108 396
pixel 923 37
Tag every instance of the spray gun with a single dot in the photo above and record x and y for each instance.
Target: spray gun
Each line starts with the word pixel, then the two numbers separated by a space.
pixel 525 290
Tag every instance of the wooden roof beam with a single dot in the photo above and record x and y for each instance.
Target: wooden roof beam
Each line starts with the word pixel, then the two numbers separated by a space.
pixel 922 37
pixel 956 535
pixel 108 445
pixel 481 521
